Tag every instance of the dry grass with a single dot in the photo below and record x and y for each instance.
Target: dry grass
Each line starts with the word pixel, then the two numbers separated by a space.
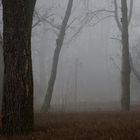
pixel 85 126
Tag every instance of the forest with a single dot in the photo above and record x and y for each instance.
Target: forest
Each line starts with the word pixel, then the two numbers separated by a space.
pixel 69 70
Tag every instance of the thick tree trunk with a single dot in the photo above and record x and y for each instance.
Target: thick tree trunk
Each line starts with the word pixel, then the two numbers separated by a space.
pixel 17 106
pixel 125 100
pixel 59 43
pixel 1 71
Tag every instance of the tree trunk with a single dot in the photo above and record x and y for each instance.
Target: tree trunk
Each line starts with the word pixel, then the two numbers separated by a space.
pixel 59 43
pixel 1 71
pixel 17 105
pixel 125 100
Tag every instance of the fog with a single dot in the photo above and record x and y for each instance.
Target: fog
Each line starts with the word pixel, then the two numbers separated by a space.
pixel 89 66
pixel 91 60
pixel 69 69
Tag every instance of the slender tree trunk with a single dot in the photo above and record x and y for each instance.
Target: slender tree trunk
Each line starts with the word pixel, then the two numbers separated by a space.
pixel 17 106
pixel 59 43
pixel 125 100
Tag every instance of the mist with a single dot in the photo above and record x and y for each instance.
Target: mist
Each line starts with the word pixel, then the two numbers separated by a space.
pixel 70 69
pixel 96 49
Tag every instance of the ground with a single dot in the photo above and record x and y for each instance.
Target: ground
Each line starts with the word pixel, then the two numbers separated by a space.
pixel 96 125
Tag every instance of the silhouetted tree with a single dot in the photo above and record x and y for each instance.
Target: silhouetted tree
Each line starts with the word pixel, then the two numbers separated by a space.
pixel 17 106
pixel 1 70
pixel 59 43
pixel 127 62
pixel 125 81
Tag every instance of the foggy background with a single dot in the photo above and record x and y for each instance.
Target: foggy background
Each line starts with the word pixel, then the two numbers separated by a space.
pixel 92 59
pixel 93 51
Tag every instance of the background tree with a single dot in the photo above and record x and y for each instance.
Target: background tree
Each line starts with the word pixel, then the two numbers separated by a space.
pixel 125 81
pixel 59 43
pixel 17 105
pixel 75 26
pixel 127 62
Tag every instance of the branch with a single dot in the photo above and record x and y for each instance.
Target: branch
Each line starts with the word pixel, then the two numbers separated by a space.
pixel 135 72
pixel 130 11
pixel 44 19
pixel 87 19
pixel 102 20
pixel 71 23
pixel 116 16
pixel 115 64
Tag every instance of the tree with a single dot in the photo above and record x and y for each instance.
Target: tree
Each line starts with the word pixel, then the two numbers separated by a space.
pixel 75 27
pixel 126 57
pixel 35 24
pixel 17 103
pixel 45 20
pixel 127 62
pixel 1 69
pixel 59 43
pixel 125 73
pixel 1 58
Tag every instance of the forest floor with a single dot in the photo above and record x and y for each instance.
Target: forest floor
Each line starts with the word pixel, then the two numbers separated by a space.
pixel 96 125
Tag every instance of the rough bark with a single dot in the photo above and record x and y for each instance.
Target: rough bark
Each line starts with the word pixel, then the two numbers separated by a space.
pixel 17 104
pixel 59 43
pixel 1 70
pixel 125 73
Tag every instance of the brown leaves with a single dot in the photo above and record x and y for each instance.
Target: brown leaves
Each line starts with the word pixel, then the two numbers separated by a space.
pixel 85 126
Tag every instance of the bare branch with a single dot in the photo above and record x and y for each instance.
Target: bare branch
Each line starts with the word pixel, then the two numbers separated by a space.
pixel 72 22
pixel 114 38
pixel 116 16
pixel 130 11
pixel 102 20
pixel 135 71
pixel 115 64
pixel 44 18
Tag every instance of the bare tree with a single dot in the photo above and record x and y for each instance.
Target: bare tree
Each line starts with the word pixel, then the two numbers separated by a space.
pixel 1 69
pixel 59 43
pixel 127 62
pixel 126 57
pixel 125 81
pixel 84 20
pixel 17 105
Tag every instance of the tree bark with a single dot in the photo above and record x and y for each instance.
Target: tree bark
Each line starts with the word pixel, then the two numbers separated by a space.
pixel 125 81
pixel 59 43
pixel 17 104
pixel 134 69
pixel 1 70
